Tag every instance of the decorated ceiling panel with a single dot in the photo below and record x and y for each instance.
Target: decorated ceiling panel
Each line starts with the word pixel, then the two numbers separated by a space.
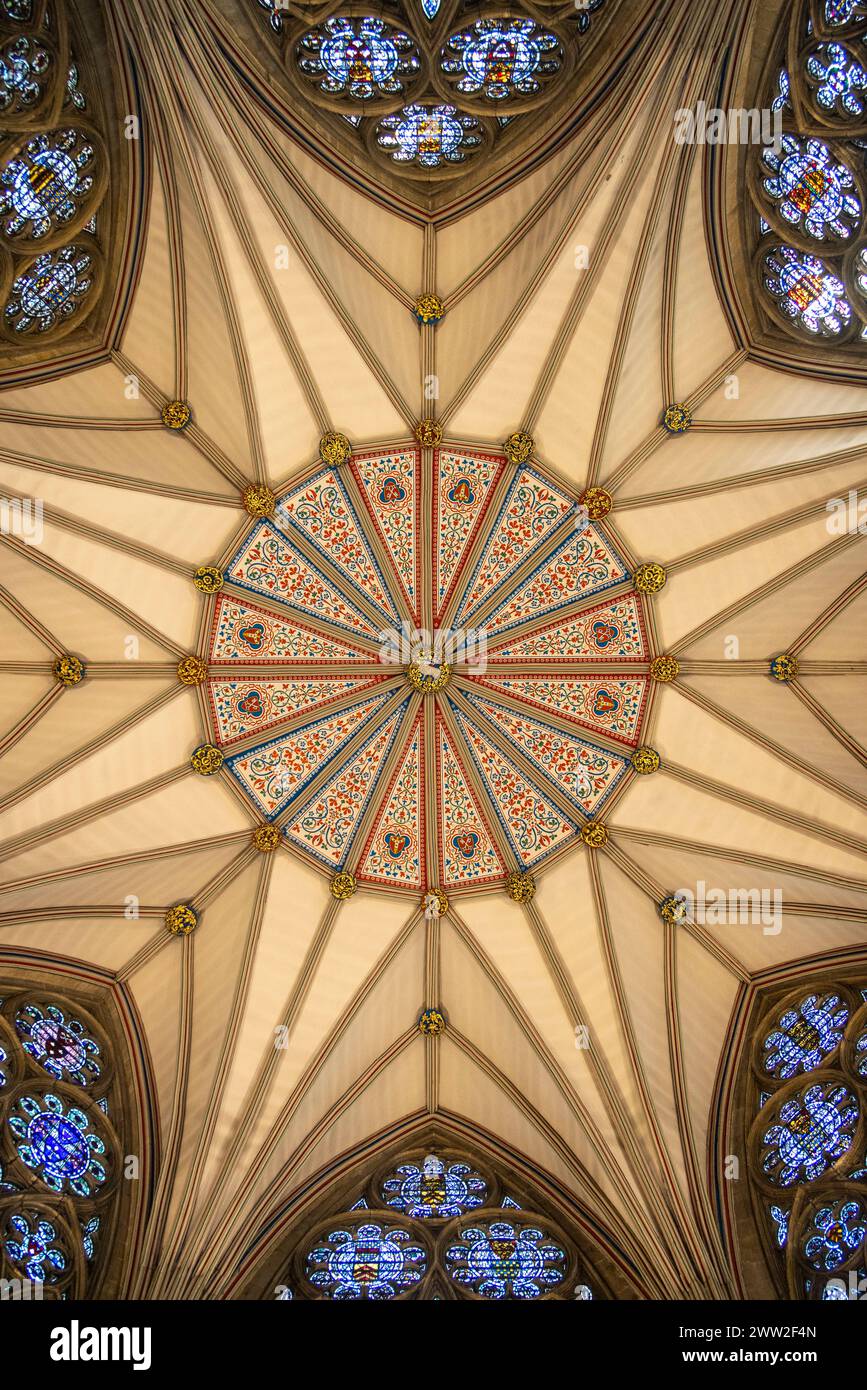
pixel 438 576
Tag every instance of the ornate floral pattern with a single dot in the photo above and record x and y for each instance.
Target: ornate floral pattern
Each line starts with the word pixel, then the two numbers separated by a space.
pixel 275 772
pixel 467 850
pixel 531 821
pixel 268 563
pixel 246 634
pixel 584 565
pixel 464 483
pixel 326 826
pixel 614 706
pixel 388 486
pixel 586 773
pixel 321 510
pixel 609 632
pixel 342 764
pixel 532 511
pixel 244 707
pixel 393 853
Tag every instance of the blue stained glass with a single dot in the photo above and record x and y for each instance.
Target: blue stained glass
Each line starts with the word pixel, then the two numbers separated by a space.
pixel 501 57
pixel 781 100
pixel 23 62
pixel 861 1054
pixel 839 1229
pixel 58 1044
pixel 51 290
pixel 585 10
pixel 806 292
pixel 500 1260
pixel 805 1035
pixel 365 1261
pixel 19 11
pixel 429 135
pixel 32 1246
pixel 839 12
pixel 812 1132
pixel 3 1058
pixel 780 1217
pixel 811 189
pixel 434 1189
pixel 58 1143
pixel 361 58
pixel 839 81
pixel 430 8
pixel 88 1232
pixel 276 9
pixel 43 185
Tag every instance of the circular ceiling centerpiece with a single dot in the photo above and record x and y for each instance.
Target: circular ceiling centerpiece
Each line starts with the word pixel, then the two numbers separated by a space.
pixel 418 704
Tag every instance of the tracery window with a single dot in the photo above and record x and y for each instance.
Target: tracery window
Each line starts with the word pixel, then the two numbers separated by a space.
pixel 807 1143
pixel 59 1151
pixel 808 188
pixel 435 1226
pixel 428 83
pixel 53 175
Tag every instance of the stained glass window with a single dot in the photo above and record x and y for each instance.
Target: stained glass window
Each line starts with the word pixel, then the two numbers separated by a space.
pixel 50 290
pixel 23 63
pixel 276 9
pixel 585 11
pixel 429 136
pixel 56 1140
pixel 60 1045
pixel 74 95
pixel 434 1189
pixel 33 1246
pixel 361 58
pixel 839 82
pixel 806 292
pixel 430 8
pixel 366 1261
pixel 837 1231
pixel 813 1130
pixel 839 12
pixel 812 190
pixel 19 11
pixel 3 1058
pixel 805 1035
pixel 499 58
pixel 781 98
pixel 501 1260
pixel 861 1053
pixel 780 1218
pixel 44 185
pixel 89 1230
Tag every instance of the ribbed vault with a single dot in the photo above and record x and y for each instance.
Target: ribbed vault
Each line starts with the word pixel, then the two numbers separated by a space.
pixel 276 298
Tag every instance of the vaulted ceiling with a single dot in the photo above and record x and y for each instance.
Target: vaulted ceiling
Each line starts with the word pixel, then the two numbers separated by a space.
pixel 272 287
